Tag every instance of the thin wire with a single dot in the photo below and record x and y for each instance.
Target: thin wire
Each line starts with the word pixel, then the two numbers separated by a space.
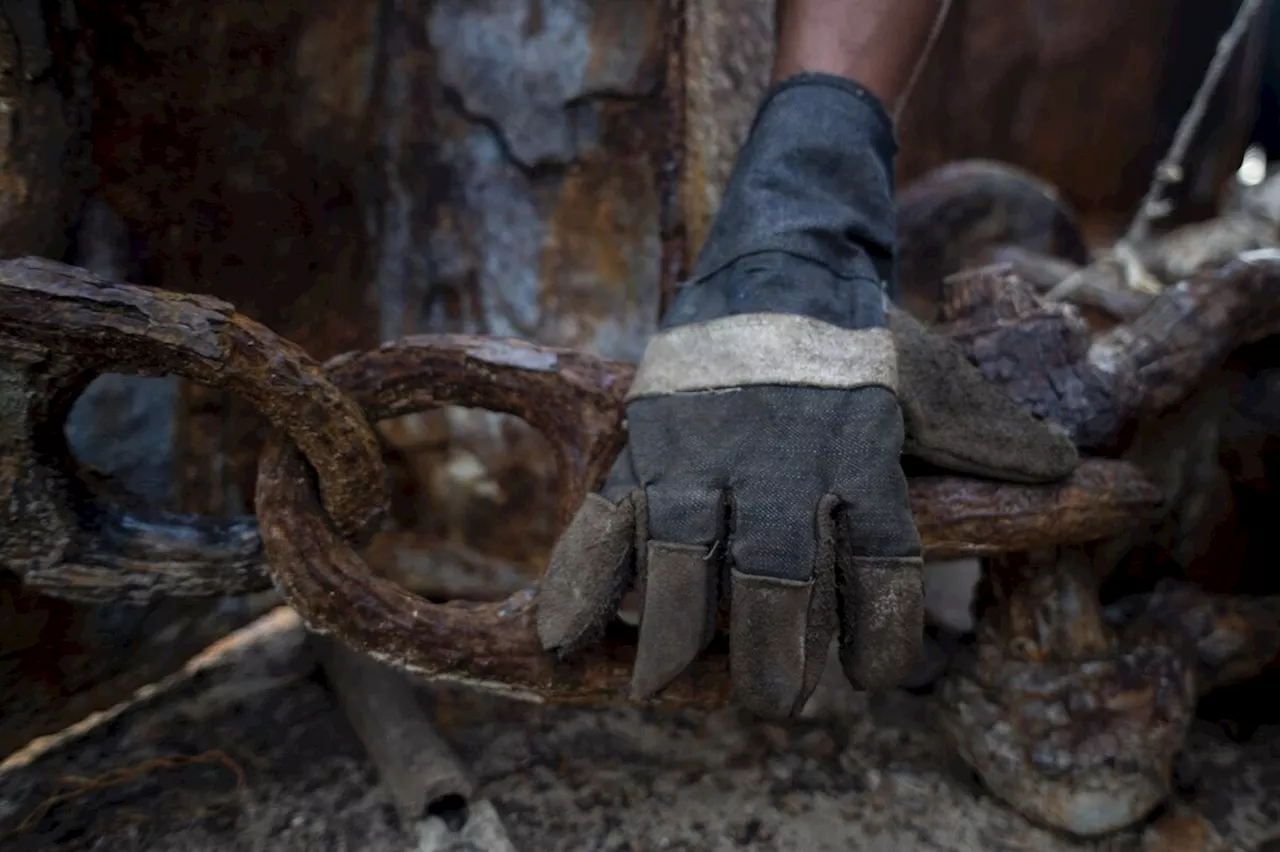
pixel 1170 171
pixel 923 60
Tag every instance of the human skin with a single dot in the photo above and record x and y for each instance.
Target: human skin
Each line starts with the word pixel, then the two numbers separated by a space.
pixel 877 43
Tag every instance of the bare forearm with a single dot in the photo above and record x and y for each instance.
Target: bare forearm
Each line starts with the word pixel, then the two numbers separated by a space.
pixel 877 43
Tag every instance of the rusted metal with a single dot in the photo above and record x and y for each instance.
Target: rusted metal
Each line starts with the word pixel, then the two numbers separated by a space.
pixel 1073 714
pixel 994 87
pixel 74 534
pixel 958 216
pixel 1094 386
pixel 1139 367
pixel 1069 722
pixel 43 167
pixel 675 260
pixel 60 326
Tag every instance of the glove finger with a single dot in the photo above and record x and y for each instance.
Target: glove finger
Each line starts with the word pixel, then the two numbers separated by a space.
pixel 592 564
pixel 958 420
pixel 781 627
pixel 678 619
pixel 881 604
pixel 872 487
pixel 681 567
pixel 882 614
pixel 879 579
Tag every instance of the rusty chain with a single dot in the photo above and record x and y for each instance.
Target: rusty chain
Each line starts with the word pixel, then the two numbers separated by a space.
pixel 60 327
pixel 322 485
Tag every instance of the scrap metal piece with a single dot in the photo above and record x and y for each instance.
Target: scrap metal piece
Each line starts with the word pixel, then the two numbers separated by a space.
pixel 419 768
pixel 1093 386
pixel 69 532
pixel 1073 714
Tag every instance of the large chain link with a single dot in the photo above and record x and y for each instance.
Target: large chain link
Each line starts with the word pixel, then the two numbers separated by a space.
pixel 321 480
pixel 60 327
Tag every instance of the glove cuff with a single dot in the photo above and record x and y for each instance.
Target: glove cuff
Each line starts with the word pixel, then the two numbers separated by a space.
pixel 807 223
pixel 814 179
pixel 765 349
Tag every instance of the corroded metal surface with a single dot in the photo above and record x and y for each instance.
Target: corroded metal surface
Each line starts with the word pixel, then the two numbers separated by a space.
pixel 1072 725
pixel 59 327
pixel 1074 715
pixel 358 171
pixel 355 170
pixel 1045 356
pixel 234 144
pixel 517 197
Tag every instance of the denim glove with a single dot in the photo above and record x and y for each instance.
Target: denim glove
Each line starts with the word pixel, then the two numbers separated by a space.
pixel 762 474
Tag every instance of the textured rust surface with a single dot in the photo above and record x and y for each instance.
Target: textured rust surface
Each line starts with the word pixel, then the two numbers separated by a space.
pixel 515 196
pixel 728 53
pixel 352 170
pixel 229 139
pixel 238 145
pixel 59 327
pixel 1072 724
pixel 63 325
pixel 1096 386
pixel 42 163
pixel 348 172
pixel 971 517
pixel 1073 714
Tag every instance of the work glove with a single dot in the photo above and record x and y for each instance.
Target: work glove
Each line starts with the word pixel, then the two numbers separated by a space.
pixel 761 476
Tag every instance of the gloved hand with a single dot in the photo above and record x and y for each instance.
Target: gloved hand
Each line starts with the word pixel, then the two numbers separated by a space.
pixel 762 471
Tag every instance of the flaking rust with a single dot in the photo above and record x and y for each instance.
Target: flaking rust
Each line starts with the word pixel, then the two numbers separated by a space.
pixel 64 529
pixel 1074 714
pixel 575 401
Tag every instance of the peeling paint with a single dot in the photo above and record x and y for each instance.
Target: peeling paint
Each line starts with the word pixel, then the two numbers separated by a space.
pixel 512 355
pixel 520 64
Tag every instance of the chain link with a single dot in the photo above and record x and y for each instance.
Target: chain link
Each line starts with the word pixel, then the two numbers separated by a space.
pixel 61 327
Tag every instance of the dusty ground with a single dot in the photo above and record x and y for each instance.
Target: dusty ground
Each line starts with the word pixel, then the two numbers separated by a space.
pixel 563 780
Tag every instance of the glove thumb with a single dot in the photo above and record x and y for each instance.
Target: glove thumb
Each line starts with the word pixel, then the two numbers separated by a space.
pixel 592 564
pixel 956 419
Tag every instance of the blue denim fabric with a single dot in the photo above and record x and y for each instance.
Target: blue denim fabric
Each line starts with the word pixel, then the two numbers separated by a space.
pixel 808 221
